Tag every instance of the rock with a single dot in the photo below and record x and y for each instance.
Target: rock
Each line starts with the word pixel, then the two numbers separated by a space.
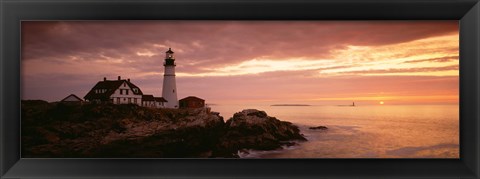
pixel 318 128
pixel 254 129
pixel 52 138
pixel 192 133
pixel 107 130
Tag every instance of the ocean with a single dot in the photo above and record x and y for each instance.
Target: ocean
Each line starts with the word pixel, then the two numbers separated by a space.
pixel 370 131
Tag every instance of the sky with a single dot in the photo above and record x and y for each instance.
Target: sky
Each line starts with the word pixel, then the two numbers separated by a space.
pixel 249 62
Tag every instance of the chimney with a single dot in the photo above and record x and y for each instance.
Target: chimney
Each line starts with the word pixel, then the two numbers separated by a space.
pixel 128 80
pixel 104 78
pixel 119 78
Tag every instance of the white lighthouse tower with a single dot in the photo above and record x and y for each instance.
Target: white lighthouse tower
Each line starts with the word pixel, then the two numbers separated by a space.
pixel 169 91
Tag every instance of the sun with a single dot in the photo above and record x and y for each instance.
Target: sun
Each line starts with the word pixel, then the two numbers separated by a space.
pixel 381 102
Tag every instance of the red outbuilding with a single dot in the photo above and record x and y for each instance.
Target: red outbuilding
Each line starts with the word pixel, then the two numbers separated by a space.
pixel 192 102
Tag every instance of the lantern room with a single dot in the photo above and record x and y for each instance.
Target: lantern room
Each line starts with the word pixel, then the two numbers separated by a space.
pixel 169 54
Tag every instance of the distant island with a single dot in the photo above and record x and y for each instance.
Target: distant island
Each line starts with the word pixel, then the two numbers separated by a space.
pixel 290 105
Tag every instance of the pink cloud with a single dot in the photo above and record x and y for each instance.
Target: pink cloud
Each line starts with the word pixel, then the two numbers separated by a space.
pixel 116 45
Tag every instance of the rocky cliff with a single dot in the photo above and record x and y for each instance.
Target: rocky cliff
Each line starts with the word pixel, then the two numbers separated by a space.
pixel 126 131
pixel 254 129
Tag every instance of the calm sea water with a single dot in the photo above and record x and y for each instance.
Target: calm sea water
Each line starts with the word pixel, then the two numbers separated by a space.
pixel 374 131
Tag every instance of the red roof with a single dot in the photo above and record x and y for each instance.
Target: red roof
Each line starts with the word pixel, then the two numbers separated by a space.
pixel 160 99
pixel 148 97
pixel 192 98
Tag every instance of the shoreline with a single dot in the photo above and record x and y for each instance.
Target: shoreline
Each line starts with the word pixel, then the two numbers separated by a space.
pixel 106 130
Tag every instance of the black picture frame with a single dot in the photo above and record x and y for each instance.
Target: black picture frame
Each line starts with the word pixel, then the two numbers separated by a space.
pixel 14 11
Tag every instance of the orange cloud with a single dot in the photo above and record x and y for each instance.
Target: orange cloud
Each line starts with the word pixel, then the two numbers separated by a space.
pixel 253 61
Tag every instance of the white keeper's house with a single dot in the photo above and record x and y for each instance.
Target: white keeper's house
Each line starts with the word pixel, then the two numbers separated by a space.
pixel 122 91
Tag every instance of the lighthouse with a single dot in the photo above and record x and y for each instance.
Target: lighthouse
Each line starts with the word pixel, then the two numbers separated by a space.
pixel 169 91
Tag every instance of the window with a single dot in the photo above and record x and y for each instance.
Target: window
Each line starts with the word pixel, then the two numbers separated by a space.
pixel 129 100
pixel 118 100
pixel 174 90
pixel 135 100
pixel 124 84
pixel 126 91
pixel 121 91
pixel 124 99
